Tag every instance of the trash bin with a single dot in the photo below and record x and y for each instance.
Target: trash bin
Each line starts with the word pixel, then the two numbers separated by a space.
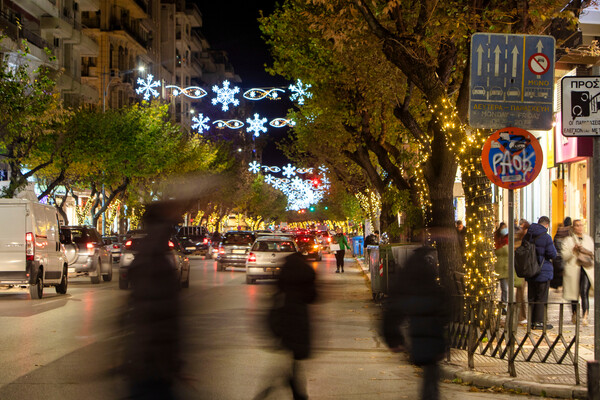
pixel 384 263
pixel 357 245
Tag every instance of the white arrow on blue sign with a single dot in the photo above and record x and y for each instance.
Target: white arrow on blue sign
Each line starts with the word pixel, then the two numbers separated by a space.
pixel 512 79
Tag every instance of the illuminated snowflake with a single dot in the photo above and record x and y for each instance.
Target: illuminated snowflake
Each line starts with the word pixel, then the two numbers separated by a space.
pixel 254 167
pixel 289 171
pixel 269 179
pixel 147 87
pixel 300 91
pixel 277 183
pixel 200 123
pixel 256 125
pixel 225 95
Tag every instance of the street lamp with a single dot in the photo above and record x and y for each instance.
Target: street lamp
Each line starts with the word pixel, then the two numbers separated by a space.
pixel 104 95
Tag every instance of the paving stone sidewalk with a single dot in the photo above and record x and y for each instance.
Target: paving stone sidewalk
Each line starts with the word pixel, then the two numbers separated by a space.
pixel 542 379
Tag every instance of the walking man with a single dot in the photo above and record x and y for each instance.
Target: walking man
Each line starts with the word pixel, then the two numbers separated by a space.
pixel 539 285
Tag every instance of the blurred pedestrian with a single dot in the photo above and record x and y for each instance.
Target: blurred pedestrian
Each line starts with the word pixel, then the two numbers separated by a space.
pixel 153 349
pixel 418 298
pixel 461 231
pixel 341 240
pixel 563 231
pixel 289 319
pixel 520 282
pixel 501 268
pixel 539 285
pixel 372 239
pixel 578 256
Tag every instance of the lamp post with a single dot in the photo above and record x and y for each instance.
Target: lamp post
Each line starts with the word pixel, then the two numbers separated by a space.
pixel 104 95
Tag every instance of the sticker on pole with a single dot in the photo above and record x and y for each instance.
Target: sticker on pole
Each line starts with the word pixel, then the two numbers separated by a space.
pixel 512 158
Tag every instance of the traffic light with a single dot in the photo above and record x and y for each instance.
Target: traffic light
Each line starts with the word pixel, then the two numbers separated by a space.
pixel 316 182
pixel 312 208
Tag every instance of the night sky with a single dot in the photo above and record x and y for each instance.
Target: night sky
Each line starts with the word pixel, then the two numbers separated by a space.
pixel 233 26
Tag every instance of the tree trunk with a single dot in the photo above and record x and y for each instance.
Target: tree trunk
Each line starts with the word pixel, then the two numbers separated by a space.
pixel 388 222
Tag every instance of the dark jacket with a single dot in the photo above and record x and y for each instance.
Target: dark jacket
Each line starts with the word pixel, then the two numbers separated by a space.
pixel 297 285
pixel 545 250
pixel 420 299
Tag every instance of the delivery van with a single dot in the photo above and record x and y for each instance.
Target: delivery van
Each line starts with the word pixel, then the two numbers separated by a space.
pixel 31 254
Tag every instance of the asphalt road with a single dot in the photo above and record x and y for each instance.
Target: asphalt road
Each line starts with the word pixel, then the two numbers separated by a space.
pixel 70 346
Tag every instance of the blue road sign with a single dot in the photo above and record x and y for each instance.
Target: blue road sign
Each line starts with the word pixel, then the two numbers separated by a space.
pixel 512 80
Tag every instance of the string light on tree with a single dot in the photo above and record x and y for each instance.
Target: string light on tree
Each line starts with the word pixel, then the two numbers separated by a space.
pixel 257 125
pixel 147 87
pixel 225 96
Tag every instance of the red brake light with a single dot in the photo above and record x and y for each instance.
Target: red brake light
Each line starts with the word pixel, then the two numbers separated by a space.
pixel 115 246
pixel 205 240
pixel 329 239
pixel 128 244
pixel 89 246
pixel 221 250
pixel 171 245
pixel 251 257
pixel 29 246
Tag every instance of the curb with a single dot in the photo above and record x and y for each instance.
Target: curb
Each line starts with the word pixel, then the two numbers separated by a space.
pixel 453 373
pixel 479 379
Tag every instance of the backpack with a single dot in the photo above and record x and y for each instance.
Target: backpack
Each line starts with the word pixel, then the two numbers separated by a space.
pixel 526 260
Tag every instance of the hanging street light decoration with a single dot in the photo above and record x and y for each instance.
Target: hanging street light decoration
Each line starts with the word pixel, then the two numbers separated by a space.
pixel 193 92
pixel 147 87
pixel 300 91
pixel 257 125
pixel 281 122
pixel 231 124
pixel 225 96
pixel 200 123
pixel 259 94
pixel 301 193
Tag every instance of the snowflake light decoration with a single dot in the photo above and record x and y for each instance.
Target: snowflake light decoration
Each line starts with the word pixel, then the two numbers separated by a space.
pixel 257 125
pixel 225 95
pixel 147 87
pixel 300 91
pixel 289 171
pixel 200 123
pixel 269 179
pixel 254 167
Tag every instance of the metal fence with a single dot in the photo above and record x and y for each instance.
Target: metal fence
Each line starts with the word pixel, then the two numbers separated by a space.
pixel 481 328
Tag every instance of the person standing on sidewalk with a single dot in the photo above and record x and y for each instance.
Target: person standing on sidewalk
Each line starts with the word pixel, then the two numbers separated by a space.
pixel 578 275
pixel 341 240
pixel 539 285
pixel 563 231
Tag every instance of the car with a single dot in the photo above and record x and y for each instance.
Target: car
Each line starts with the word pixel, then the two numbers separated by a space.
pixel 131 248
pixel 30 247
pixel 86 253
pixel 213 248
pixel 267 256
pixel 309 246
pixel 194 239
pixel 113 244
pixel 234 249
pixel 324 239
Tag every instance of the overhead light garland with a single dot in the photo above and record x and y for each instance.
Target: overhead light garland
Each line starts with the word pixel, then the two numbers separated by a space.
pixel 300 91
pixel 146 86
pixel 259 94
pixel 193 92
pixel 225 96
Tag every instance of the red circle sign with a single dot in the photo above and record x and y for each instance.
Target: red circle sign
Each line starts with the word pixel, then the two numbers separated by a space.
pixel 512 158
pixel 539 63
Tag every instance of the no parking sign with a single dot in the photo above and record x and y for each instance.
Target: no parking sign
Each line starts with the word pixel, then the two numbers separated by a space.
pixel 512 158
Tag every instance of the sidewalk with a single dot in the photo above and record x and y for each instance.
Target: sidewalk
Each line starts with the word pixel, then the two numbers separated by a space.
pixel 549 380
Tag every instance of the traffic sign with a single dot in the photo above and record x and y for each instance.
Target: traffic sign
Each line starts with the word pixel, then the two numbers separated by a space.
pixel 512 79
pixel 512 158
pixel 580 107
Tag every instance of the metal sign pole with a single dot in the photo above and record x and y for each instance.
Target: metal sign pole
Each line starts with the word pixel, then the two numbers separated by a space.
pixel 596 205
pixel 512 308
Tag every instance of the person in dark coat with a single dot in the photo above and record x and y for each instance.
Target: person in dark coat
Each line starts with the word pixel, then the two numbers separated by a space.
pixel 539 285
pixel 292 318
pixel 153 360
pixel 418 297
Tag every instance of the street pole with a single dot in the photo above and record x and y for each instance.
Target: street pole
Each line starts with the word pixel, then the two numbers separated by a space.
pixel 596 205
pixel 511 315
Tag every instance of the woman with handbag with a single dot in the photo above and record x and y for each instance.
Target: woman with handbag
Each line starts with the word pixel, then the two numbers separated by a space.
pixel 578 276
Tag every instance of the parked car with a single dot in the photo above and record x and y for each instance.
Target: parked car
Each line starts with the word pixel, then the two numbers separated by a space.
pixel 113 244
pixel 234 249
pixel 30 251
pixel 131 247
pixel 86 253
pixel 267 256
pixel 194 239
pixel 309 246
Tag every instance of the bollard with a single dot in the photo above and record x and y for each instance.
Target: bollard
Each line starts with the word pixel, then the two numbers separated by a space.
pixel 593 378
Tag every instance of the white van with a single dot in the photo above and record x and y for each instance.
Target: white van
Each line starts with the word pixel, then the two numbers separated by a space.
pixel 30 250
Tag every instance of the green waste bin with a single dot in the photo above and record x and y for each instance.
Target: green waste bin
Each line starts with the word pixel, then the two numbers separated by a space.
pixel 384 263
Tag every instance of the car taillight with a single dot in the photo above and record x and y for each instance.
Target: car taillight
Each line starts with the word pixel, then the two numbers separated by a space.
pixel 316 246
pixel 329 239
pixel 128 244
pixel 205 241
pixel 171 245
pixel 221 250
pixel 29 246
pixel 115 246
pixel 90 247
pixel 251 257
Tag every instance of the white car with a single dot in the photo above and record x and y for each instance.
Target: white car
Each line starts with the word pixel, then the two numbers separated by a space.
pixel 267 256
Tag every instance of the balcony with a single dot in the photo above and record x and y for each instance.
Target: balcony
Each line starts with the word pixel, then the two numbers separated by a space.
pixel 86 45
pixel 118 25
pixel 194 15
pixel 138 8
pixel 10 28
pixel 60 27
pixel 89 5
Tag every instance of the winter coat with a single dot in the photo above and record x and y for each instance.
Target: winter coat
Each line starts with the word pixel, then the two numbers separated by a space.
pixel 501 267
pixel 545 250
pixel 572 269
pixel 562 233
pixel 418 297
pixel 340 239
pixel 297 285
